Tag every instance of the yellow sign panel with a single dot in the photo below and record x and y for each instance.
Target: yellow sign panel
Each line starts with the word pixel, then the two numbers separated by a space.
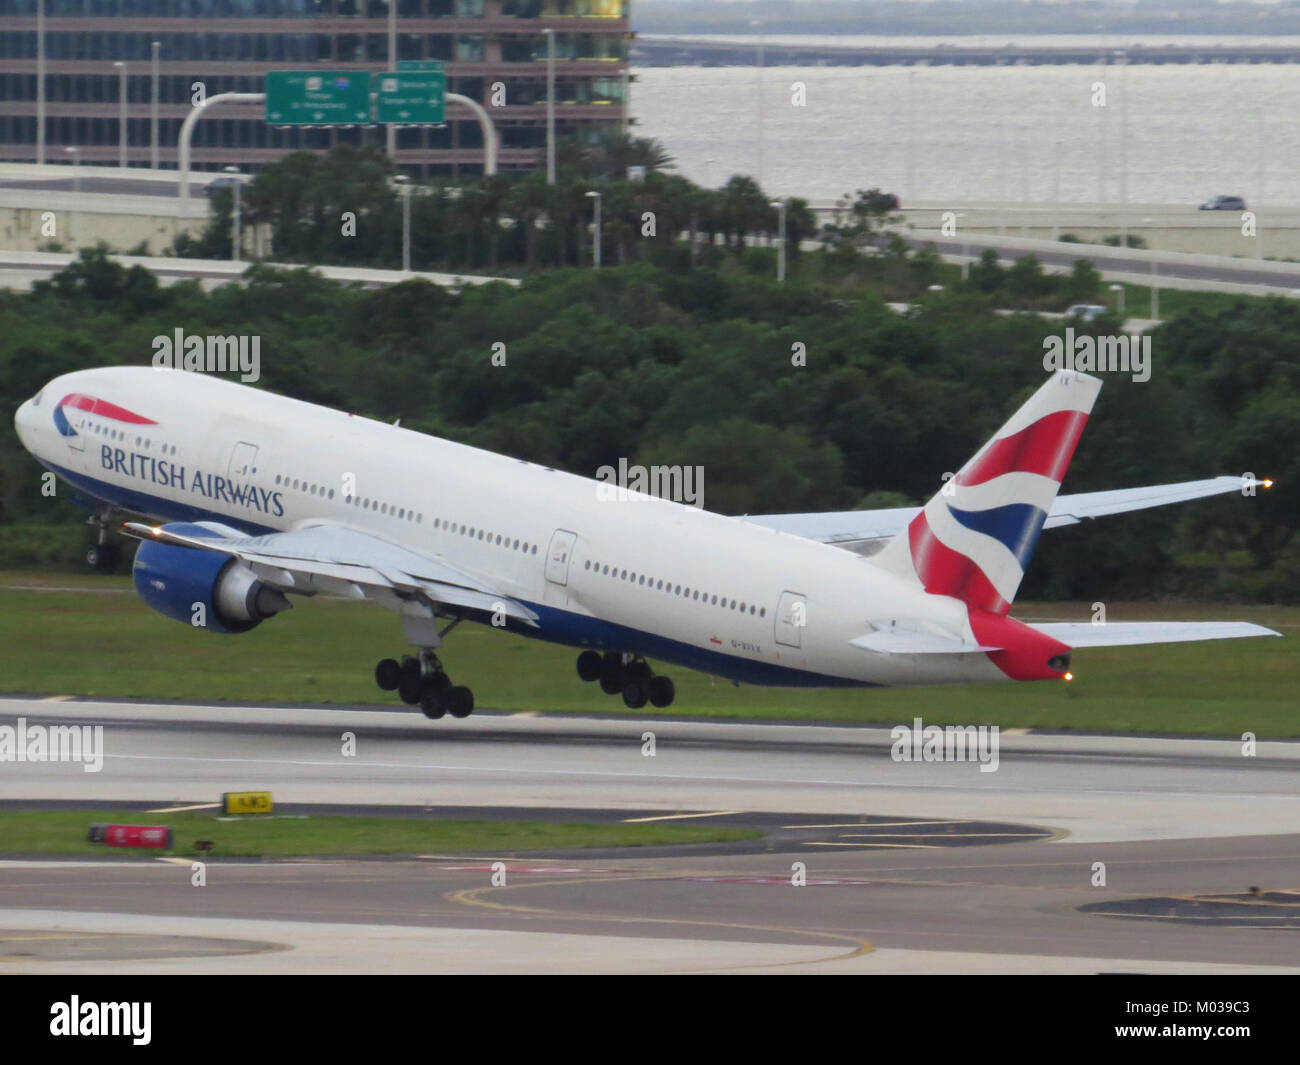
pixel 246 802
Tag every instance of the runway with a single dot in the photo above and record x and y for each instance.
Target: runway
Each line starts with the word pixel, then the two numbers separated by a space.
pixel 1170 819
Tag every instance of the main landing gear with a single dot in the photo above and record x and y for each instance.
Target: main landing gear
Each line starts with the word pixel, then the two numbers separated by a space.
pixel 102 555
pixel 629 674
pixel 424 683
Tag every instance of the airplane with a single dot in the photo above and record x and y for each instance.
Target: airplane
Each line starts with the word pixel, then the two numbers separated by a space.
pixel 259 497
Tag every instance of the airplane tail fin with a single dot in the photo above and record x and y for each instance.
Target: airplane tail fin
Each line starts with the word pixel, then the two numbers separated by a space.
pixel 974 539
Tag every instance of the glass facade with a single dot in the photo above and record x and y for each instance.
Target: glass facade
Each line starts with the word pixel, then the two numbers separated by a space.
pixel 491 49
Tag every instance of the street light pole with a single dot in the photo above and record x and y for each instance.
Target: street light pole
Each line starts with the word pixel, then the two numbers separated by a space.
pixel 550 105
pixel 1123 148
pixel 390 129
pixel 780 248
pixel 121 112
pixel 911 136
pixel 40 81
pixel 153 106
pixel 237 243
pixel 595 240
pixel 762 62
pixel 404 183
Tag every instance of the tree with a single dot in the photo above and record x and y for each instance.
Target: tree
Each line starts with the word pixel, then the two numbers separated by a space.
pixel 609 153
pixel 1081 285
pixel 744 210
pixel 1026 284
pixel 987 274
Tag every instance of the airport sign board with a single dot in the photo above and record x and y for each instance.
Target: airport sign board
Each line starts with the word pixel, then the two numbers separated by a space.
pixel 317 97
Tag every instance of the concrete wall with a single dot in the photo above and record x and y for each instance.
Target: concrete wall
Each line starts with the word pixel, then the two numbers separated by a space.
pixel 21 229
pixel 1163 227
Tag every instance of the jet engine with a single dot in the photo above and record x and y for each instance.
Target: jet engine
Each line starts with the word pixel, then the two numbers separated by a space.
pixel 206 589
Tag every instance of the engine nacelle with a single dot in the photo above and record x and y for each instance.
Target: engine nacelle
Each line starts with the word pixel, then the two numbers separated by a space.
pixel 176 580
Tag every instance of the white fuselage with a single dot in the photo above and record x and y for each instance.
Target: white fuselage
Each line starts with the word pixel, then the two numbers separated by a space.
pixel 259 461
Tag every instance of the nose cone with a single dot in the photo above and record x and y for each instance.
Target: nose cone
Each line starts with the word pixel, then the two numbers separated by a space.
pixel 22 424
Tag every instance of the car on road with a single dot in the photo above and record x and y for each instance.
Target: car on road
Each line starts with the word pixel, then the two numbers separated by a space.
pixel 224 182
pixel 1086 312
pixel 1224 203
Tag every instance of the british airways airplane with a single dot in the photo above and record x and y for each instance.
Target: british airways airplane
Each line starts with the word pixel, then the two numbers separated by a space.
pixel 261 498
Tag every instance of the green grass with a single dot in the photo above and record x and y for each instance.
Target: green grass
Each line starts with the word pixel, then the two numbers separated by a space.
pixel 1173 302
pixel 64 832
pixel 99 640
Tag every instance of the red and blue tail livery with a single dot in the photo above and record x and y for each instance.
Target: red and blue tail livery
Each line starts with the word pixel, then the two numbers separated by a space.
pixel 973 540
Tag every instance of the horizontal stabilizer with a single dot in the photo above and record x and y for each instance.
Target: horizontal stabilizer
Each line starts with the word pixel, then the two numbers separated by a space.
pixel 1071 509
pixel 896 637
pixel 1130 633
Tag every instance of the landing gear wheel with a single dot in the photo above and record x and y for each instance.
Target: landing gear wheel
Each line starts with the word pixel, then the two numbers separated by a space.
pixel 590 665
pixel 635 694
pixel 102 558
pixel 637 669
pixel 612 681
pixel 662 691
pixel 459 701
pixel 388 674
pixel 432 703
pixel 410 688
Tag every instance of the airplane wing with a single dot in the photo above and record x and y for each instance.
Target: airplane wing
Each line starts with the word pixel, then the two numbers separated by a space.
pixel 1130 633
pixel 342 561
pixel 866 531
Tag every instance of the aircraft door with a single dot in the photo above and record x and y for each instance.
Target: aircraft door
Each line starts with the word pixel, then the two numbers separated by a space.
pixel 243 461
pixel 791 617
pixel 558 555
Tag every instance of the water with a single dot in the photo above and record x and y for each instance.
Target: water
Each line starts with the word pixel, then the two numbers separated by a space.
pixel 1009 133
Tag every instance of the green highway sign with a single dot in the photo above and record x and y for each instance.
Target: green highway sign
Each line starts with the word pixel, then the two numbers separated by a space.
pixel 419 64
pixel 317 97
pixel 412 98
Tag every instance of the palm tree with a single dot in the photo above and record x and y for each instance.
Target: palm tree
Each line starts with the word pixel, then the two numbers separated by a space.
pixel 744 210
pixel 609 154
pixel 525 202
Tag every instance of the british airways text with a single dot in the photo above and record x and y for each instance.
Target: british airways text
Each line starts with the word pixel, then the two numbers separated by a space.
pixel 170 475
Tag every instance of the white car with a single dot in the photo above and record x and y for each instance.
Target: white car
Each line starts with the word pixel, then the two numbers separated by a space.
pixel 1086 312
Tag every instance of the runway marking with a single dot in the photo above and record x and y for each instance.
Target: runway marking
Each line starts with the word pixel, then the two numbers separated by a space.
pixel 678 817
pixel 880 823
pixel 179 809
pixel 57 699
pixel 174 861
pixel 1225 918
pixel 471 897
pixel 897 846
pixel 476 858
pixel 525 713
pixel 963 835
pixel 54 935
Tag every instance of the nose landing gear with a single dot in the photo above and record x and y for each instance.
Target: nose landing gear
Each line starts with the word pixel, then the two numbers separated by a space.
pixel 102 555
